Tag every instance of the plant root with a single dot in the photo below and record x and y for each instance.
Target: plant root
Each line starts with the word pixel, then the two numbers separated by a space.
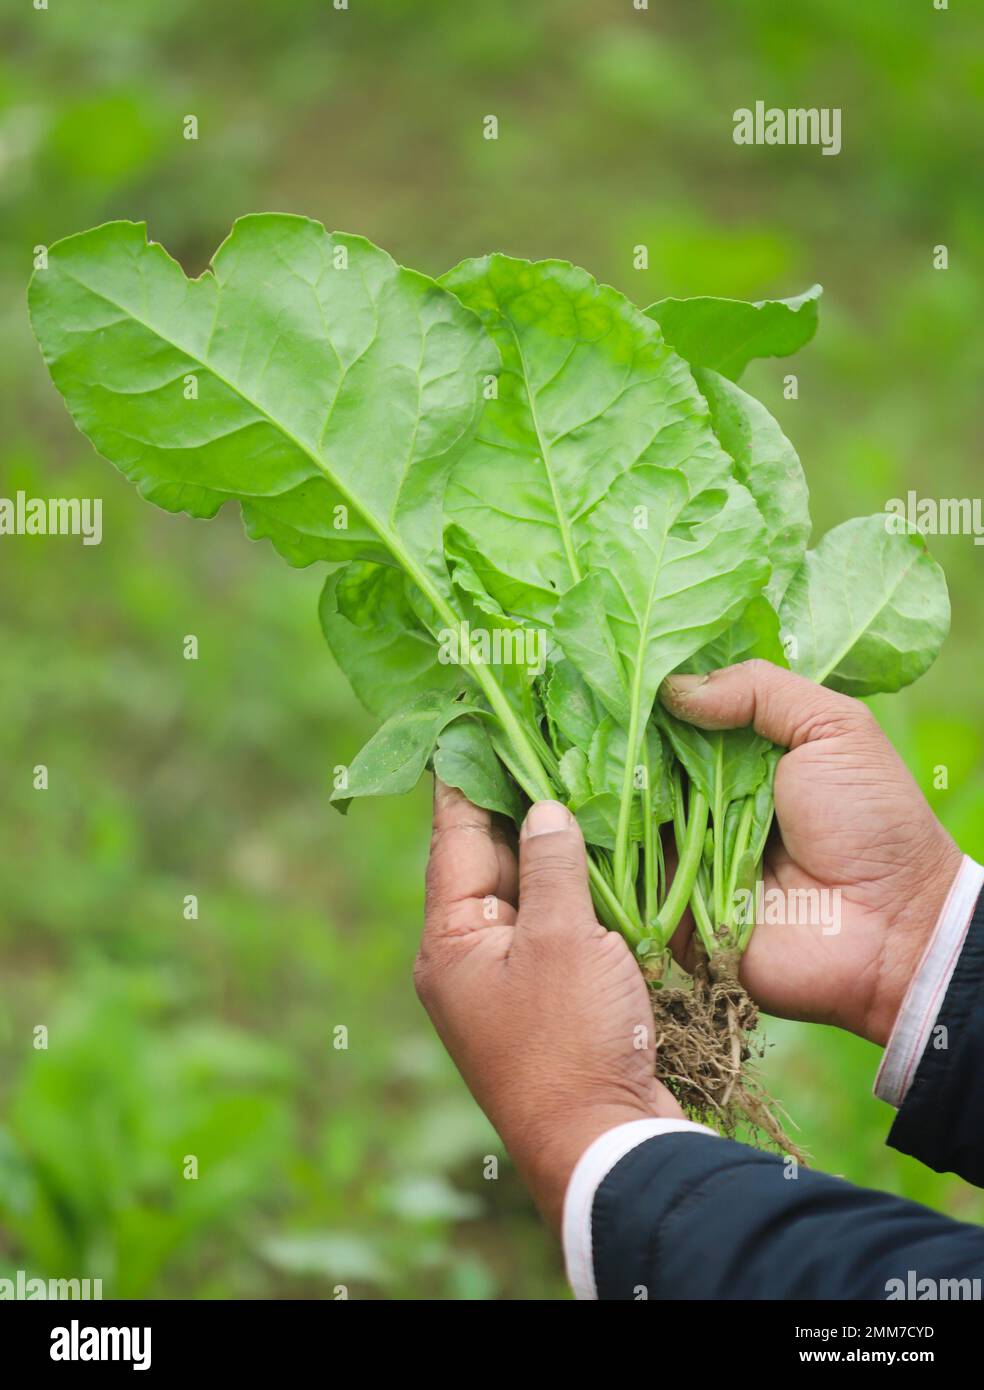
pixel 704 1047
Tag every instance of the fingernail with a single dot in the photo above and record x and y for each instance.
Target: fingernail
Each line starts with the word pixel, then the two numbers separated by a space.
pixel 675 689
pixel 545 818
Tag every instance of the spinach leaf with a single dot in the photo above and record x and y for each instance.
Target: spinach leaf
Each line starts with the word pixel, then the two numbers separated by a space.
pixel 465 758
pixel 378 640
pixel 668 573
pixel 727 764
pixel 732 770
pixel 726 334
pixel 868 609
pixel 587 391
pixel 540 501
pixel 767 464
pixel 304 373
pixel 572 708
pixel 396 755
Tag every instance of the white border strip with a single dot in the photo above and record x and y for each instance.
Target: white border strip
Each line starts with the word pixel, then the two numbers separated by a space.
pixel 594 1165
pixel 927 989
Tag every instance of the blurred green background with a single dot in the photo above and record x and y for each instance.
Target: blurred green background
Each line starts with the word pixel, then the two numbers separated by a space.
pixel 215 1036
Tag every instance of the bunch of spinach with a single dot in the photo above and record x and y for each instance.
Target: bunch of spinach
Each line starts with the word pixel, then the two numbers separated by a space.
pixel 515 450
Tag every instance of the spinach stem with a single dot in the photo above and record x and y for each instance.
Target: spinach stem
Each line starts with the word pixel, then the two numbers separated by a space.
pixel 606 898
pixel 743 934
pixel 686 870
pixel 719 885
pixel 702 919
pixel 649 869
pixel 628 796
pixel 740 849
pixel 679 809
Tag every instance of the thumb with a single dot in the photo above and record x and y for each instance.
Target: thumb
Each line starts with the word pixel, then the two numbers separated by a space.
pixel 781 706
pixel 553 872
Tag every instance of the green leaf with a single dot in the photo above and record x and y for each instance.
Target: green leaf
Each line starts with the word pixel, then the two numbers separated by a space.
pixel 607 755
pixel 588 390
pixel 768 465
pixel 728 764
pixel 581 625
pixel 726 334
pixel 396 755
pixel 594 783
pixel 607 758
pixel 325 376
pixel 575 776
pixel 466 759
pixel 868 609
pixel 669 573
pixel 572 708
pixel 515 651
pixel 331 386
pixel 598 818
pixel 377 639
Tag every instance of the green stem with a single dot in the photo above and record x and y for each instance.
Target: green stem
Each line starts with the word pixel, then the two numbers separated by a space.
pixel 718 875
pixel 628 796
pixel 740 847
pixel 606 900
pixel 744 933
pixel 661 884
pixel 649 866
pixel 702 918
pixel 505 756
pixel 686 870
pixel 536 783
pixel 679 809
pixel 606 896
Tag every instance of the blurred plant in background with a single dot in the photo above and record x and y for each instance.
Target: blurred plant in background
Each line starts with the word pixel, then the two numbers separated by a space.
pixel 366 1166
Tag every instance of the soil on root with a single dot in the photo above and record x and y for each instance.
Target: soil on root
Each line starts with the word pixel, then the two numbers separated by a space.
pixel 704 1049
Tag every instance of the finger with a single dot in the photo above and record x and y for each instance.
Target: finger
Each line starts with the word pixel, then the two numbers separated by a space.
pixel 504 835
pixel 780 705
pixel 469 863
pixel 553 872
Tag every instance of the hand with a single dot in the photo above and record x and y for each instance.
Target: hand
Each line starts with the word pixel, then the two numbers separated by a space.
pixel 851 817
pixel 544 1012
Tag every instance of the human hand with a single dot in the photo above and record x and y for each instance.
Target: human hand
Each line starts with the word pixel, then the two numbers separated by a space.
pixel 544 1012
pixel 850 816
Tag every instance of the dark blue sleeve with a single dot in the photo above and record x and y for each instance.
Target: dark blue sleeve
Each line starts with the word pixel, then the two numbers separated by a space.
pixel 941 1121
pixel 692 1216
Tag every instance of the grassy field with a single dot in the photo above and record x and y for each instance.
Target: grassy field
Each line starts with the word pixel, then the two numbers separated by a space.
pixel 216 1034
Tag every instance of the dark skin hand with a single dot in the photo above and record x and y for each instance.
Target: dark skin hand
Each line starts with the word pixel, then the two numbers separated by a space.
pixel 546 1014
pixel 538 1005
pixel 850 816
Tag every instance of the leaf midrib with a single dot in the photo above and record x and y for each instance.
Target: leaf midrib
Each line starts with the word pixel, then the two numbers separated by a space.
pixel 490 686
pixel 565 532
pixel 866 626
pixel 388 537
pixel 636 733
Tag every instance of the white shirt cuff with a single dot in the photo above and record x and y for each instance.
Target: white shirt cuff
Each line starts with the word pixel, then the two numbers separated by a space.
pixel 927 990
pixel 594 1165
